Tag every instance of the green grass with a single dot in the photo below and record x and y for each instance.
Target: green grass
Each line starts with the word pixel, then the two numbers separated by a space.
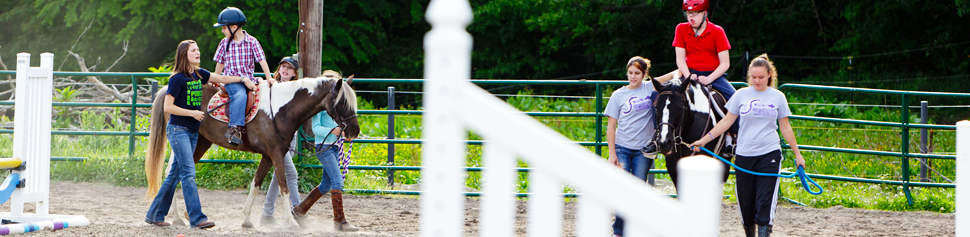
pixel 109 161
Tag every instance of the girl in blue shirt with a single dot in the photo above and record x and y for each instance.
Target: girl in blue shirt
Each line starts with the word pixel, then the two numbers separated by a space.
pixel 326 132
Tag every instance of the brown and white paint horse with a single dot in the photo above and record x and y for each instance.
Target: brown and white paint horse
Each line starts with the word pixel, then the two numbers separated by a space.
pixel 282 109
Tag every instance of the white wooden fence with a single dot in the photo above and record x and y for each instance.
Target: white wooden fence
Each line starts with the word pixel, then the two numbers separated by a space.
pixel 963 177
pixel 454 106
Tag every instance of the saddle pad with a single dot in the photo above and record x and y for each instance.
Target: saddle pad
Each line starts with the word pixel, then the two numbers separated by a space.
pixel 220 114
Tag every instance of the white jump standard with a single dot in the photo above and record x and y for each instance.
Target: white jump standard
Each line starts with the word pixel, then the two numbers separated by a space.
pixel 29 181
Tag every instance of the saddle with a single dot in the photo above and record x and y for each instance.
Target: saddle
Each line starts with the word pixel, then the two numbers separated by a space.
pixel 722 147
pixel 219 102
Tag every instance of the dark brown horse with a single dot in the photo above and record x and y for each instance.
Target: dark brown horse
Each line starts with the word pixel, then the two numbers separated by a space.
pixel 282 109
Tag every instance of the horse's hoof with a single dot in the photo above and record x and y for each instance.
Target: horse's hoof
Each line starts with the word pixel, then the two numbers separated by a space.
pixel 178 222
pixel 247 225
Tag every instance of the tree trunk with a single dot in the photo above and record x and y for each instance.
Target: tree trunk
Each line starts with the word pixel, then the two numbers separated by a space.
pixel 311 37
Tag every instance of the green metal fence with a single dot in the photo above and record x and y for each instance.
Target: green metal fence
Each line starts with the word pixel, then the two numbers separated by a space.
pixel 597 144
pixel 903 123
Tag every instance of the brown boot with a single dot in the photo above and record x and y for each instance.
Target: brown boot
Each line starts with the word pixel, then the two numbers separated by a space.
pixel 339 220
pixel 299 211
pixel 304 206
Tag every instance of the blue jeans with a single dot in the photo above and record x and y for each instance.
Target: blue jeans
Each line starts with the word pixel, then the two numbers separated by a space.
pixel 331 178
pixel 291 182
pixel 236 109
pixel 722 85
pixel 634 162
pixel 183 144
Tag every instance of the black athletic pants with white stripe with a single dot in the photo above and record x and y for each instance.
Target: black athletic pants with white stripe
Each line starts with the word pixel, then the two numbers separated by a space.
pixel 758 195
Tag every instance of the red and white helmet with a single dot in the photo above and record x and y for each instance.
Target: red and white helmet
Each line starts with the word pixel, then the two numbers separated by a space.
pixel 696 5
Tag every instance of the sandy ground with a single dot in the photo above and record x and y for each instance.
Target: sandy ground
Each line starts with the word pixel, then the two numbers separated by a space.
pixel 120 211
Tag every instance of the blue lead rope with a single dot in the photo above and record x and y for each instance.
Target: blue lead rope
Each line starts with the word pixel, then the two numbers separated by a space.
pixel 801 174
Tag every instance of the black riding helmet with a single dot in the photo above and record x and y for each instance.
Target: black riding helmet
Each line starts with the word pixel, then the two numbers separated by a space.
pixel 230 16
pixel 292 61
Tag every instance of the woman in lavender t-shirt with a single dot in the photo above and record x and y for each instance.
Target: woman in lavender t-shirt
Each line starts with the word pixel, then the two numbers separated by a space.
pixel 630 124
pixel 759 107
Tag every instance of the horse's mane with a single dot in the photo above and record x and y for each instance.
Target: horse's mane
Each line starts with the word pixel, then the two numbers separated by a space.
pixel 286 90
pixel 292 86
pixel 348 95
pixel 676 82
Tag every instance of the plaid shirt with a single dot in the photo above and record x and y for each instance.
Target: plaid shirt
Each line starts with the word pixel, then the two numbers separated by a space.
pixel 241 59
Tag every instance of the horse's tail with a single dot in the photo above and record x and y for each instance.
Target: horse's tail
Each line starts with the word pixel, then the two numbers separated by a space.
pixel 154 160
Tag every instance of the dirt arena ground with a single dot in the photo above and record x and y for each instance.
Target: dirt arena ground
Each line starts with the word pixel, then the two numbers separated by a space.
pixel 120 211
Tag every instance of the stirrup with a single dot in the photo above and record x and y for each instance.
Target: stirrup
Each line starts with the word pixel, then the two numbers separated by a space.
pixel 234 136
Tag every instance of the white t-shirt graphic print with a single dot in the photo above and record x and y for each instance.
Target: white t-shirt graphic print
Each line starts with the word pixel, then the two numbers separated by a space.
pixel 759 112
pixel 633 110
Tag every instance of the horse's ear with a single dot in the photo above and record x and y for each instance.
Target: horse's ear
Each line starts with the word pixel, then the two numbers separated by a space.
pixel 656 84
pixel 684 86
pixel 338 84
pixel 350 79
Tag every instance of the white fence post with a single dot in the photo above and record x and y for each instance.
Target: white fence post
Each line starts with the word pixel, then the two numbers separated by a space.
pixel 701 192
pixel 447 63
pixel 498 194
pixel 963 179
pixel 545 203
pixel 32 131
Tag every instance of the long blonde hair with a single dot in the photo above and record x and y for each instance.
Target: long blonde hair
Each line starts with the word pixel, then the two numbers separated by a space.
pixel 763 61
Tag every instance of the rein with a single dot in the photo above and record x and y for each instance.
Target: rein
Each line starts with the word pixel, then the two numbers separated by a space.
pixel 800 173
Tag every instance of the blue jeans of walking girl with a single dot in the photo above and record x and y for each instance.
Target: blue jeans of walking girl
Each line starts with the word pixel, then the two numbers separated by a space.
pixel 634 162
pixel 331 178
pixel 183 144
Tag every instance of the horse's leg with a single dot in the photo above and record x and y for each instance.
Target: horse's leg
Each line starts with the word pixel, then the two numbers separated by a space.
pixel 281 180
pixel 671 161
pixel 261 171
pixel 727 169
pixel 173 213
pixel 201 146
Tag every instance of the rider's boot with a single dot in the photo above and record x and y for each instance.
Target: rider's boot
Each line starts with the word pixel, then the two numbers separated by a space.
pixel 730 143
pixel 764 230
pixel 650 151
pixel 749 231
pixel 234 135
pixel 339 220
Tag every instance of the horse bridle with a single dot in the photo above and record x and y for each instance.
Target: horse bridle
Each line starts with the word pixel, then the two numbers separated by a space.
pixel 677 137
